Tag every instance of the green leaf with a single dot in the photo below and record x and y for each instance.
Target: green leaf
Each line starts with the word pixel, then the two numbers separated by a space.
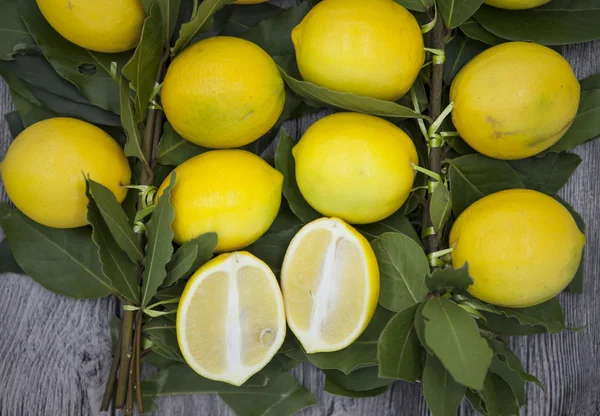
pixel 282 395
pixel 548 314
pixel 511 377
pixel 547 174
pixel 361 353
pixel 39 249
pixel 274 35
pixel 449 278
pixel 420 327
pixel 141 70
pixel 416 5
pixel 475 31
pixel 160 244
pixel 169 11
pixel 242 18
pixel 590 83
pixel 513 362
pixel 15 123
pixel 474 176
pixel 190 256
pixel 29 112
pixel 402 267
pixel 440 207
pixel 340 100
pixel 8 263
pixel 510 326
pixel 586 125
pixel 133 146
pixel 453 335
pixel 476 402
pixel 162 333
pixel 363 379
pixel 116 220
pixel 360 383
pixel 284 162
pixel 172 292
pixel 117 267
pixel 34 78
pixel 70 60
pixel 199 23
pixel 396 223
pixel 173 149
pixel 442 394
pixel 15 36
pixel 498 397
pixel 455 12
pixel 271 247
pixel 399 350
pixel 571 24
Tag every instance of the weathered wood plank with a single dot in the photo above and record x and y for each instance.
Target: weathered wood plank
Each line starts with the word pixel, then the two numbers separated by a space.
pixel 56 351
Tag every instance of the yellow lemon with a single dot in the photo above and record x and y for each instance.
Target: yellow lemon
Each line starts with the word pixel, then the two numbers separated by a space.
pixel 223 92
pixel 522 247
pixel 231 192
pixel 102 26
pixel 230 319
pixel 355 166
pixel 330 284
pixel 372 48
pixel 44 168
pixel 514 100
pixel 516 4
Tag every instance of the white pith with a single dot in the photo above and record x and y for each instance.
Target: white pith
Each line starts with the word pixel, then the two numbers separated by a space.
pixel 236 373
pixel 327 290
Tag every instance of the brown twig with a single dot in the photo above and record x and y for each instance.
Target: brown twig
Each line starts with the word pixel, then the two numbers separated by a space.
pixel 138 362
pixel 438 35
pixel 112 376
pixel 125 354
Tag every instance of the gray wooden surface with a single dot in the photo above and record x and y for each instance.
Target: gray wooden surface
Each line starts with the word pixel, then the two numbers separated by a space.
pixel 55 352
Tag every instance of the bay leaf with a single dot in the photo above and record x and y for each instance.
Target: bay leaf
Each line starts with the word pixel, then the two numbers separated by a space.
pixel 442 393
pixel 159 247
pixel 402 268
pixel 453 335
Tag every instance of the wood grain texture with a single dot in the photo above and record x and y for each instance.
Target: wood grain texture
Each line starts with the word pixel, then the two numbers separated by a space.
pixel 55 352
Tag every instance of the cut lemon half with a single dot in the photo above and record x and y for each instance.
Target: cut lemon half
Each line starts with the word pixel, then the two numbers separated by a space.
pixel 330 284
pixel 231 319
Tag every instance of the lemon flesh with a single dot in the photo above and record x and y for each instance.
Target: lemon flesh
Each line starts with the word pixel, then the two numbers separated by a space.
pixel 102 26
pixel 355 166
pixel 522 247
pixel 371 48
pixel 514 100
pixel 330 284
pixel 45 168
pixel 223 92
pixel 516 4
pixel 231 319
pixel 231 192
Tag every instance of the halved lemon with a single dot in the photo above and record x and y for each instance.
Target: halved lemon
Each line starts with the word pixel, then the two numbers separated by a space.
pixel 330 284
pixel 231 319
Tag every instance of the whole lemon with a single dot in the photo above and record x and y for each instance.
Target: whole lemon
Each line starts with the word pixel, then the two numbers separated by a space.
pixel 102 26
pixel 231 192
pixel 372 48
pixel 514 100
pixel 43 170
pixel 516 4
pixel 355 167
pixel 223 92
pixel 522 247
